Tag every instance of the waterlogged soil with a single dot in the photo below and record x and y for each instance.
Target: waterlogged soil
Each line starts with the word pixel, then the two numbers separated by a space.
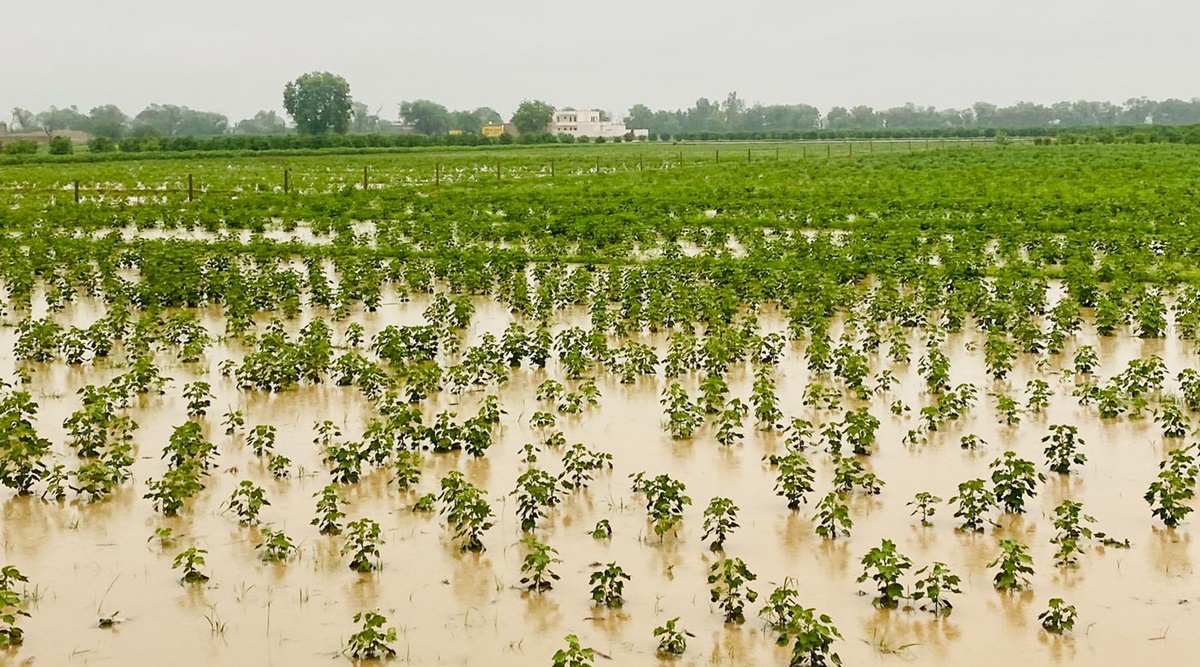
pixel 87 561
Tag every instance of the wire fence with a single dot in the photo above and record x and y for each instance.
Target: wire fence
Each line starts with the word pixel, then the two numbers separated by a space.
pixel 516 169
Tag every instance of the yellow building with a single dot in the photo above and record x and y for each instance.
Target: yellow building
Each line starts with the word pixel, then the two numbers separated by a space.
pixel 494 131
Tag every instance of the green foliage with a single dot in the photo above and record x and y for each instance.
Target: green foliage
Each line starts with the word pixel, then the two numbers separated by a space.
pixel 884 565
pixel 319 103
pixel 261 439
pixel 1061 445
pixel 974 500
pixel 1015 566
pixel 665 501
pixel 533 117
pixel 1071 524
pixel 363 539
pixel 833 516
pixel 276 546
pixel 924 505
pixel 720 519
pixel 1176 484
pixel 329 514
pixel 1014 479
pixel 579 465
pixel 536 492
pixel 61 146
pixel 608 585
pixel 247 501
pixel 812 639
pixel 10 607
pixel 22 450
pixel 466 510
pixel 672 640
pixel 933 587
pixel 573 655
pixel 1059 617
pixel 372 641
pixel 794 477
pixel 536 566
pixel 729 578
pixel 190 560
pixel 602 531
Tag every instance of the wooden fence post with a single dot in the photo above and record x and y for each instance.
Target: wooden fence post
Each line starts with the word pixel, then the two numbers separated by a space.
pixel 191 196
pixel 718 156
pixel 286 185
pixel 748 156
pixel 437 174
pixel 364 177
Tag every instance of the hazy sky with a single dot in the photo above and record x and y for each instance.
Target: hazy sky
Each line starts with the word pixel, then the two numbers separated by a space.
pixel 234 56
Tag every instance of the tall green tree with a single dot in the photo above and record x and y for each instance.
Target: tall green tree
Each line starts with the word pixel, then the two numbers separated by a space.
pixel 108 121
pixel 169 120
pixel 55 119
pixel 319 103
pixel 533 117
pixel 640 117
pixel 24 120
pixel 425 117
pixel 473 121
pixel 264 122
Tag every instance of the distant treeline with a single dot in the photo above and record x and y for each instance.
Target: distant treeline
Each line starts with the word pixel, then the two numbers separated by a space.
pixel 712 117
pixel 102 149
pixel 734 115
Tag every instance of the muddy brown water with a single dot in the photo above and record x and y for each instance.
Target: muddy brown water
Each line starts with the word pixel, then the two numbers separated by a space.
pixel 84 561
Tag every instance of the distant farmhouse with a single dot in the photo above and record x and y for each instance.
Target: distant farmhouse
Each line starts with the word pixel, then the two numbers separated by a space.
pixel 494 131
pixel 587 123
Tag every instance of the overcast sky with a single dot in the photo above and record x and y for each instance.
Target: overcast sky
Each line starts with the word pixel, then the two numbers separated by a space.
pixel 234 56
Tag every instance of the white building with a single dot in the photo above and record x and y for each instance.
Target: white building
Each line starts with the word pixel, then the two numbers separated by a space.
pixel 587 123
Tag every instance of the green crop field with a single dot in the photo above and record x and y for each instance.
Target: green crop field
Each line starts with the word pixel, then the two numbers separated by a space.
pixel 741 403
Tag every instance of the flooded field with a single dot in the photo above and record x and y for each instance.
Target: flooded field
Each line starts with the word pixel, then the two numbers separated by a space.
pixel 928 407
pixel 89 561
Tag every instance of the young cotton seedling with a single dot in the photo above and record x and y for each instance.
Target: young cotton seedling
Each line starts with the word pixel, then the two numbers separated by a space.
pixel 924 505
pixel 372 641
pixel 1062 444
pixel 574 655
pixel 1015 566
pixel 720 519
pixel 363 539
pixel 672 640
pixel 729 578
pixel 974 502
pixel 536 566
pixel 934 586
pixel 190 561
pixel 884 565
pixel 1014 480
pixel 1059 617
pixel 833 516
pixel 247 501
pixel 608 585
